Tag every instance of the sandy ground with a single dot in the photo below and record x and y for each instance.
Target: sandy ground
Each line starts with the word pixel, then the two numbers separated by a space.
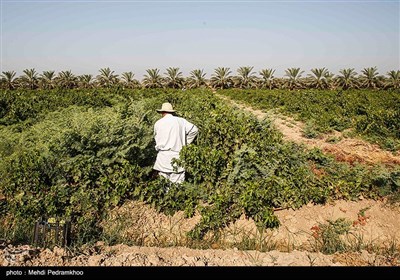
pixel 289 245
pixel 122 255
pixel 379 225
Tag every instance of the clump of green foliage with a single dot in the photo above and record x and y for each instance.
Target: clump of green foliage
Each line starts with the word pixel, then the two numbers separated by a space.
pixel 80 160
pixel 330 237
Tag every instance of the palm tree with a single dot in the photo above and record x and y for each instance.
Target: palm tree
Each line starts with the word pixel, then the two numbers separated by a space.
pixel 370 78
pixel 128 81
pixel 152 79
pixel 221 78
pixel 47 80
pixel 320 78
pixel 246 78
pixel 8 78
pixel 174 78
pixel 66 79
pixel 197 79
pixel 268 79
pixel 347 79
pixel 293 80
pixel 85 81
pixel 394 79
pixel 106 78
pixel 30 78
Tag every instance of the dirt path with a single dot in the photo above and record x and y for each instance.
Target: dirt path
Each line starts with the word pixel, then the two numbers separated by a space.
pixel 345 149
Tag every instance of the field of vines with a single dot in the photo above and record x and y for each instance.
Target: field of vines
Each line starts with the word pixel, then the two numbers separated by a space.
pixel 78 153
pixel 372 115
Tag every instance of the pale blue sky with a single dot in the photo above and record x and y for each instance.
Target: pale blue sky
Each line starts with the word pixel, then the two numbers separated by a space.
pixel 84 36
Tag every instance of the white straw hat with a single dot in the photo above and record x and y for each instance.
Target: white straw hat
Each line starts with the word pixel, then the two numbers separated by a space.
pixel 166 107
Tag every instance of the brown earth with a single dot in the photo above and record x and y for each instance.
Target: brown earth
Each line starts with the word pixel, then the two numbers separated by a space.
pixel 373 223
pixel 123 255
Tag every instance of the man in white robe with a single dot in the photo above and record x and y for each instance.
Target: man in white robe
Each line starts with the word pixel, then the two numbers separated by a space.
pixel 171 133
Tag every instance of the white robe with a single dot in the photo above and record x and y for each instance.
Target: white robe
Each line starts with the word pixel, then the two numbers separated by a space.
pixel 171 133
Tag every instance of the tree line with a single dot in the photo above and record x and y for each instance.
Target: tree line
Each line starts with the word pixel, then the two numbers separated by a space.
pixel 222 78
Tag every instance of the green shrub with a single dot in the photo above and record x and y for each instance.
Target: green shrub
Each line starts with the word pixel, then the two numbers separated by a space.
pixel 83 160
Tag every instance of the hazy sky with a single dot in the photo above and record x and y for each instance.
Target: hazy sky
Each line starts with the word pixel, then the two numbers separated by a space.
pixel 84 36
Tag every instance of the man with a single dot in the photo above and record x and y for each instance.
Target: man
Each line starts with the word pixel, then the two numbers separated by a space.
pixel 171 134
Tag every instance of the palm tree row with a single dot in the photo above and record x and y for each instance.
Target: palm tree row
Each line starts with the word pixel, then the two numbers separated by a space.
pixel 222 78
